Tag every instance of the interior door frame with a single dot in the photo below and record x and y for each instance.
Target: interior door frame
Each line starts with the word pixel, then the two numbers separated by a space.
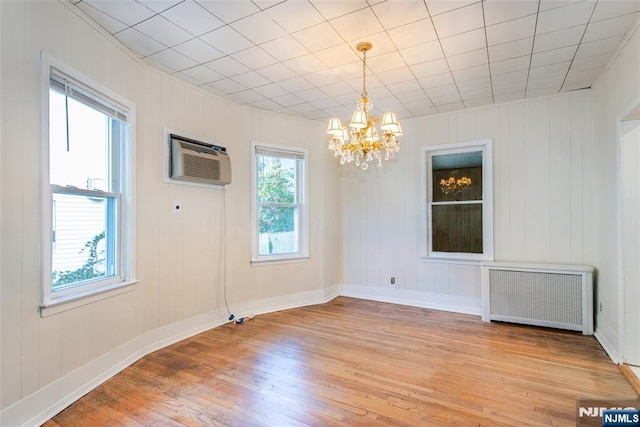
pixel 632 110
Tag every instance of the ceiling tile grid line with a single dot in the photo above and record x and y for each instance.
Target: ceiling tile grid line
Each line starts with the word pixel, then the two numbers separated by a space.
pixel 428 56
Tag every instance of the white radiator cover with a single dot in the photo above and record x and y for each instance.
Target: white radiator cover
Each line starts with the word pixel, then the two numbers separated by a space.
pixel 550 295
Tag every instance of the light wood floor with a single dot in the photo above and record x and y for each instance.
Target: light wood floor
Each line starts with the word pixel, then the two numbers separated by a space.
pixel 358 363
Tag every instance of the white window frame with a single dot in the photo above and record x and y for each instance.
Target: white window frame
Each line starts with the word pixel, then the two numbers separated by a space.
pixel 486 147
pixel 56 301
pixel 303 213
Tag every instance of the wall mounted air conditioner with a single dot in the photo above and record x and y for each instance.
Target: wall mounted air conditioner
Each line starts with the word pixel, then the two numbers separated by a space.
pixel 197 161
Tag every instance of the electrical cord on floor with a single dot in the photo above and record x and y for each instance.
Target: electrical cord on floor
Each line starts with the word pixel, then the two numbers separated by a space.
pixel 223 252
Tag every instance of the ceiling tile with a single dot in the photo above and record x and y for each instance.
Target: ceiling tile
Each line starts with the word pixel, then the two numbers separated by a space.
pixel 439 91
pixel 139 42
pixel 464 42
pixel 305 64
pixel 405 36
pixel 557 39
pixel 337 89
pixel 172 59
pixel 258 28
pixel 229 10
pixel 442 101
pixel 251 79
pixel 109 23
pixel 435 81
pixel 564 17
pixel 322 78
pixel 608 28
pixel 295 15
pixel 386 62
pixel 395 14
pixel 510 65
pixel 199 51
pixel 226 86
pixel 203 74
pixel 477 102
pixel 158 5
pixel 519 87
pixel 254 58
pixel 312 94
pixel 276 72
pixel 430 68
pixel 510 78
pixel 408 87
pixel 474 85
pixel 510 96
pixel 395 76
pixel 284 48
pixel 164 31
pixel 318 37
pixel 246 96
pixel 459 20
pixel 590 62
pixel 227 66
pixel 192 17
pixel 517 29
pixel 552 70
pixel 510 50
pixel 546 82
pixel 333 9
pixel 497 11
pixel 356 26
pixel 484 92
pixel 613 8
pixel 128 11
pixel 422 53
pixel 436 7
pixel 227 40
pixel 381 44
pixel 287 100
pixel 295 84
pixel 472 73
pixel 337 55
pixel 271 91
pixel 598 47
pixel 554 56
pixel 469 59
pixel 349 71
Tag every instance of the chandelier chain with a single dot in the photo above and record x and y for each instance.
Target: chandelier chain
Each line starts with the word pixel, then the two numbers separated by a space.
pixel 364 74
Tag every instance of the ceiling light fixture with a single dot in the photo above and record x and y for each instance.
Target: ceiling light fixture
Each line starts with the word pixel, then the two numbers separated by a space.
pixel 360 143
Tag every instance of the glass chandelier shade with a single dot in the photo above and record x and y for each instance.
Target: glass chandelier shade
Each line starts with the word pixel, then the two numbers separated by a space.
pixel 361 142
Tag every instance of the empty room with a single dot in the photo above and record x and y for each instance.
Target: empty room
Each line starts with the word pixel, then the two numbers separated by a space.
pixel 319 212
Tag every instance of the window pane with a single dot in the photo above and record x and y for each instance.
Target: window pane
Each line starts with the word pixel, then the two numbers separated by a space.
pixel 78 147
pixel 457 184
pixel 276 180
pixel 277 230
pixel 457 228
pixel 83 239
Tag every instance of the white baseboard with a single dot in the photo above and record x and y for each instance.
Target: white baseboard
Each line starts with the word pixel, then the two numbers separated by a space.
pixel 444 302
pixel 45 403
pixel 602 333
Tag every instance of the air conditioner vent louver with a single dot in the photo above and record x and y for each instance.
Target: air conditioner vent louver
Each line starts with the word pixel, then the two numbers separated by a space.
pixel 545 295
pixel 199 167
pixel 199 162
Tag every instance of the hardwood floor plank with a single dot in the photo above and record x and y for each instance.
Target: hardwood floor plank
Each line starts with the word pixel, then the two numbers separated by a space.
pixel 354 362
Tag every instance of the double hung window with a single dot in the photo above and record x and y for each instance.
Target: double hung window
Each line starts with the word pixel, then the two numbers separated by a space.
pixel 86 184
pixel 279 203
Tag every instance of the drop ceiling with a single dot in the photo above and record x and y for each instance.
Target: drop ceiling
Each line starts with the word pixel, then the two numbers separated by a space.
pixel 298 57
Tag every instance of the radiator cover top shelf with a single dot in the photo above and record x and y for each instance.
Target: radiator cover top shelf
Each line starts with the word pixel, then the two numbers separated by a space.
pixel 550 295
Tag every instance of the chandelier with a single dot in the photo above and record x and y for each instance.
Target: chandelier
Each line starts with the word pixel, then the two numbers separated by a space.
pixel 453 185
pixel 360 142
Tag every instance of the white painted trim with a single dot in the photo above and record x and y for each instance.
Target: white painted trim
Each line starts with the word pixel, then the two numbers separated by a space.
pixel 608 348
pixel 40 406
pixel 444 302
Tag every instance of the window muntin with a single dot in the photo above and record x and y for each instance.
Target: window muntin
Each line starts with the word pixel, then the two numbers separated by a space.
pixel 279 203
pixel 458 203
pixel 86 201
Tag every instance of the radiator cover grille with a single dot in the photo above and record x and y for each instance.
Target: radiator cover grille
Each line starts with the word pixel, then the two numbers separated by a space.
pixel 544 295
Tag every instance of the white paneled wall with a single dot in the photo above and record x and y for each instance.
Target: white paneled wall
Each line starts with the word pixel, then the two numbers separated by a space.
pixel 180 259
pixel 541 147
pixel 614 93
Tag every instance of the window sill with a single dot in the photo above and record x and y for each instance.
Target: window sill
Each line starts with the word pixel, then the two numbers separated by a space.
pixel 452 260
pixel 69 302
pixel 276 261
